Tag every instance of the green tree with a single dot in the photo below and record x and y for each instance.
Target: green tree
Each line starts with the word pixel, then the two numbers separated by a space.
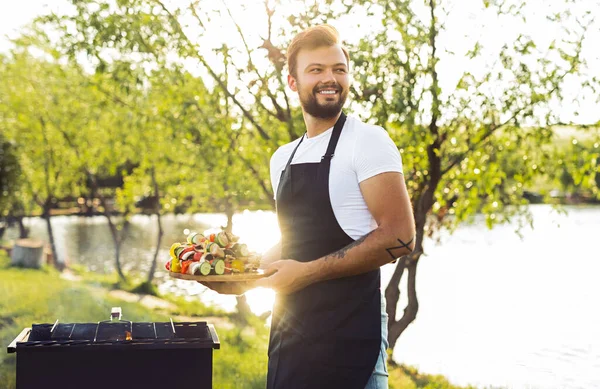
pixel 473 149
pixel 9 179
pixel 580 163
pixel 41 109
pixel 250 113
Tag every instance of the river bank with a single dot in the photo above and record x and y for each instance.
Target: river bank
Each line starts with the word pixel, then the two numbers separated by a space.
pixel 489 299
pixel 39 296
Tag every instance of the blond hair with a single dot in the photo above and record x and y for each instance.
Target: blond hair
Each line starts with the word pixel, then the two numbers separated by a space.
pixel 314 37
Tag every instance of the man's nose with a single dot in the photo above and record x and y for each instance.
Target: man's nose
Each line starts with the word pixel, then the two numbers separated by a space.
pixel 328 76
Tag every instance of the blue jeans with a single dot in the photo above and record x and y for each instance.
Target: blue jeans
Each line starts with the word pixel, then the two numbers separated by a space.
pixel 379 378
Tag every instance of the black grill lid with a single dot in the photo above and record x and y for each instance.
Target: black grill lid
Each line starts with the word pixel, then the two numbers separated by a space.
pixel 122 335
pixel 118 333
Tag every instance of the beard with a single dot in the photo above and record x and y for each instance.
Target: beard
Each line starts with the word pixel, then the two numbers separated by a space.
pixel 327 110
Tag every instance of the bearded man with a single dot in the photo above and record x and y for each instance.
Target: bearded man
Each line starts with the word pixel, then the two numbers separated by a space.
pixel 344 211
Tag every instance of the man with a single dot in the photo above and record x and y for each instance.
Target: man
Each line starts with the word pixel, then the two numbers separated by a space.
pixel 343 210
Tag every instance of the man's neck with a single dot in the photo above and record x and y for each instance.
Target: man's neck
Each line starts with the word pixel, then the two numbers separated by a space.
pixel 316 126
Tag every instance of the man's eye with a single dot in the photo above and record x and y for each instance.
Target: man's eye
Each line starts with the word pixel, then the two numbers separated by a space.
pixel 315 70
pixel 341 70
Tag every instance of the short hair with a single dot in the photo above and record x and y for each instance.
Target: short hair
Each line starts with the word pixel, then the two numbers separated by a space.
pixel 314 37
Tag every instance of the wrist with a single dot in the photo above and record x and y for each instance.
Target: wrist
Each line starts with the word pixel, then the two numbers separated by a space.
pixel 314 270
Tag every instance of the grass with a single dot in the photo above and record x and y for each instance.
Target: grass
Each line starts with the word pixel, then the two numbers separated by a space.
pixel 406 377
pixel 42 296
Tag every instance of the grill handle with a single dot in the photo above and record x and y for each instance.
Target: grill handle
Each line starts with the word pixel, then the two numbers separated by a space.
pixel 12 347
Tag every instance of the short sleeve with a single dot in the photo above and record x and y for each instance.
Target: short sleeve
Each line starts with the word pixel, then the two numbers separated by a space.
pixel 375 153
pixel 275 171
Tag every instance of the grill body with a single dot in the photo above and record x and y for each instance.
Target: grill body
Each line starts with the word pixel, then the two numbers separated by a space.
pixel 116 355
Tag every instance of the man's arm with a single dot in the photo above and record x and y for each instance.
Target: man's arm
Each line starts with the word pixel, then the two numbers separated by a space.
pixel 387 199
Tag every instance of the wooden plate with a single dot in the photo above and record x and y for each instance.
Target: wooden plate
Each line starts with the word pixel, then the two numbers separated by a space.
pixel 239 277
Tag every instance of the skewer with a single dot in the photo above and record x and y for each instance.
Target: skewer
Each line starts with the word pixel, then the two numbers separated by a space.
pixel 54 326
pixel 172 326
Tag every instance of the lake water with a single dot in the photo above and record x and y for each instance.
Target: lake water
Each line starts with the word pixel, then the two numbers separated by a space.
pixel 495 310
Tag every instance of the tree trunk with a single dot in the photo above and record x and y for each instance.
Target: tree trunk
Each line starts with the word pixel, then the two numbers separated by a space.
pixel 88 206
pixel 229 212
pixel 60 265
pixel 160 229
pixel 116 237
pixel 28 253
pixel 117 242
pixel 114 232
pixel 23 231
pixel 392 296
pixel 421 205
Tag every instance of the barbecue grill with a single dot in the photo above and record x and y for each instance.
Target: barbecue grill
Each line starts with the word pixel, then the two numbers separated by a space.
pixel 115 354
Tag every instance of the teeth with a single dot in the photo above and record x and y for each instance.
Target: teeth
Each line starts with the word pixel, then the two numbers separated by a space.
pixel 328 92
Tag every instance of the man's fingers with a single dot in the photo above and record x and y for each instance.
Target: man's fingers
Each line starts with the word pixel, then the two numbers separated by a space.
pixel 267 281
pixel 270 271
pixel 273 267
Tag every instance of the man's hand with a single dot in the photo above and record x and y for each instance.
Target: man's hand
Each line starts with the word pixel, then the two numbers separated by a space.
pixel 235 288
pixel 287 276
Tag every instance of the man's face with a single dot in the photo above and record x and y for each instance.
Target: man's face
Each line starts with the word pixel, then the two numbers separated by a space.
pixel 322 81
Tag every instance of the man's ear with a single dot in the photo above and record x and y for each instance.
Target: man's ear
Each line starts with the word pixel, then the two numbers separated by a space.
pixel 292 83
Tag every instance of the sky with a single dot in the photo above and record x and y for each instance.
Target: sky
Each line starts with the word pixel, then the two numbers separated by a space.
pixel 469 22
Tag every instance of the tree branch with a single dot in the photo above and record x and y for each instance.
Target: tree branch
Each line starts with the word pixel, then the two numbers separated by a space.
pixel 246 113
pixel 280 113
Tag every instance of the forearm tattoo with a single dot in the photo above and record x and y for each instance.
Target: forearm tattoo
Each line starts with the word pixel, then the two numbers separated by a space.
pixel 402 245
pixel 342 252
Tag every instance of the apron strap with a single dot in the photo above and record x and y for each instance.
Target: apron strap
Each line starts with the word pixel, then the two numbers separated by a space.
pixel 294 152
pixel 335 136
pixel 337 131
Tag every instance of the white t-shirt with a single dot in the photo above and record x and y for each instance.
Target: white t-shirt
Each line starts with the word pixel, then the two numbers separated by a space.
pixel 363 151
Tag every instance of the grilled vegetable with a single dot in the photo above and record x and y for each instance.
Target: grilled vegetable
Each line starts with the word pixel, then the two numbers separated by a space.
pixel 195 238
pixel 174 247
pixel 186 253
pixel 175 265
pixel 218 266
pixel 221 239
pixel 238 266
pixel 231 237
pixel 218 254
pixel 240 250
pixel 215 250
pixel 204 268
pixel 185 266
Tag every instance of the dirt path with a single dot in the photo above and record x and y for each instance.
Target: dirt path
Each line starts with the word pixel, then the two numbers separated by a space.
pixel 155 303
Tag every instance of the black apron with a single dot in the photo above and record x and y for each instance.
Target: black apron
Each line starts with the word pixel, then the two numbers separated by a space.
pixel 327 335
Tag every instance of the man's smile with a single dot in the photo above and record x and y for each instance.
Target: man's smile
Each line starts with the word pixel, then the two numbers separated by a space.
pixel 328 92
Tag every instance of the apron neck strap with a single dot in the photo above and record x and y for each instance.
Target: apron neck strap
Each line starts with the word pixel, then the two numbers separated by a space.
pixel 335 136
pixel 289 162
